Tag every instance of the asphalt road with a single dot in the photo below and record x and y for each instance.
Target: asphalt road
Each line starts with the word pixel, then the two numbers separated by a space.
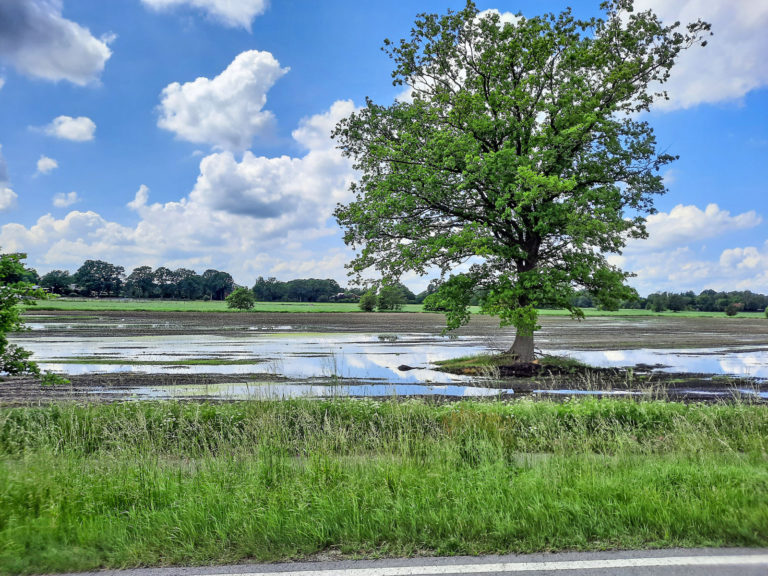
pixel 720 562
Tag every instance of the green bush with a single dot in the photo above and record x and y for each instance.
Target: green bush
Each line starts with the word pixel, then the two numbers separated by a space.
pixel 368 301
pixel 241 299
pixel 733 308
pixel 390 298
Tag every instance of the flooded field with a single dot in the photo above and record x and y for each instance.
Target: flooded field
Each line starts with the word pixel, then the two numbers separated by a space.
pixel 191 355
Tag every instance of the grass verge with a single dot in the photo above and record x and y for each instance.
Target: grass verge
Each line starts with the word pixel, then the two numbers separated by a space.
pixel 141 484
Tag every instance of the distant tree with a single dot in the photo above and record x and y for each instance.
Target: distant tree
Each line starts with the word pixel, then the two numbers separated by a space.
pixel 140 283
pixel 677 302
pixel 241 299
pixel 57 281
pixel 189 284
pixel 311 290
pixel 218 285
pixel 269 290
pixel 14 291
pixel 522 153
pixel 165 282
pixel 368 301
pixel 390 297
pixel 734 308
pixel 99 277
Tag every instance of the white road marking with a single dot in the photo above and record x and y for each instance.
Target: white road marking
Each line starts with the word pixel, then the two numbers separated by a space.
pixel 750 560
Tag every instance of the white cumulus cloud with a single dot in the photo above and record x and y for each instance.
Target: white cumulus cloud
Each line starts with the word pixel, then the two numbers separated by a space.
pixel 38 41
pixel 681 269
pixel 2 82
pixel 62 200
pixel 46 165
pixel 685 224
pixel 226 111
pixel 734 61
pixel 234 13
pixel 676 258
pixel 250 215
pixel 80 129
pixel 7 196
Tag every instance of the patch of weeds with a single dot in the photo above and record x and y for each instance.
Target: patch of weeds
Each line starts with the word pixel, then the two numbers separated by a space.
pixel 388 337
pixel 563 364
pixel 52 379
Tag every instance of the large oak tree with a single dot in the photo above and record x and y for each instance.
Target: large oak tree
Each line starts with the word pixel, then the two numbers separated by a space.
pixel 523 156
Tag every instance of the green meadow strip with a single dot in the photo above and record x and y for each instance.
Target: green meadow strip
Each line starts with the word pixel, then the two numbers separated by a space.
pixel 167 483
pixel 152 305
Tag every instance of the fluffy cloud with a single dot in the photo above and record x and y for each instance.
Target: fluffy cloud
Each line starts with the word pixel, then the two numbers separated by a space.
pixel 732 64
pixel 80 129
pixel 686 224
pixel 226 111
pixel 504 17
pixel 250 215
pixel 45 165
pixel 229 12
pixel 62 200
pixel 38 41
pixel 742 268
pixel 7 196
pixel 2 82
pixel 675 258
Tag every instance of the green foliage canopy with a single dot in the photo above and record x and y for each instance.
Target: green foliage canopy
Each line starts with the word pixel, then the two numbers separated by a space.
pixel 14 290
pixel 521 156
pixel 241 299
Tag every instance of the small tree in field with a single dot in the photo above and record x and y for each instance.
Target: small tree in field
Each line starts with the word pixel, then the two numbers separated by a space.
pixel 390 298
pixel 733 308
pixel 521 157
pixel 368 301
pixel 241 299
pixel 14 291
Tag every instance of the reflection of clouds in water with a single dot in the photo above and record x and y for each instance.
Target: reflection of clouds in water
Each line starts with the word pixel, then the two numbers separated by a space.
pixel 748 365
pixel 282 391
pixel 357 356
pixel 705 361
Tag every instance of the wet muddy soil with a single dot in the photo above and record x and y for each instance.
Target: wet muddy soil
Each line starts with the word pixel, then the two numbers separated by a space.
pixel 557 332
pixel 616 337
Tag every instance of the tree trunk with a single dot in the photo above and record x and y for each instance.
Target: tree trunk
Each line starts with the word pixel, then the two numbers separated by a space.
pixel 522 348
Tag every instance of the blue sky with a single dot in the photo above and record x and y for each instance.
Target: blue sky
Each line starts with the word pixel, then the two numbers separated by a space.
pixel 195 133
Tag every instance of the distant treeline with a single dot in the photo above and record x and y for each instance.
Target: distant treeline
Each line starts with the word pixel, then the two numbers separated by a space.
pixel 315 290
pixel 706 301
pixel 99 278
pixel 96 278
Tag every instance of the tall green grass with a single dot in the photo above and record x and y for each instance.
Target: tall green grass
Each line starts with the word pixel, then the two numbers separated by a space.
pixel 137 484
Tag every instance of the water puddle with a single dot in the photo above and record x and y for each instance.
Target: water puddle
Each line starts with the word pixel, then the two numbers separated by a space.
pixel 271 391
pixel 746 363
pixel 291 355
